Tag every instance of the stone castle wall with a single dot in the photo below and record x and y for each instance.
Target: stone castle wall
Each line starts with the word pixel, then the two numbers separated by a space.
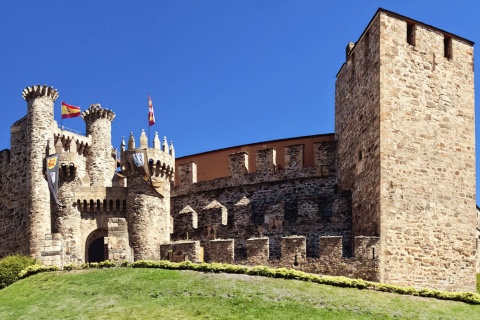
pixel 13 192
pixel 405 128
pixel 427 157
pixel 269 202
pixel 148 202
pixel 357 128
pixel 392 199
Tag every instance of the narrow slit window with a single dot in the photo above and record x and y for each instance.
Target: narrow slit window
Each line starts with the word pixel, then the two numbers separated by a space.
pixel 447 47
pixel 360 155
pixel 352 58
pixel 366 47
pixel 411 34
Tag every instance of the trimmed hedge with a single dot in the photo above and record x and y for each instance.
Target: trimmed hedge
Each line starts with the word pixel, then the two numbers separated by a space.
pixel 36 268
pixel 11 266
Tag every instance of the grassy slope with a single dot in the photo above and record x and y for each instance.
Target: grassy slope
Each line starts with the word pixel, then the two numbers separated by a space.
pixel 164 294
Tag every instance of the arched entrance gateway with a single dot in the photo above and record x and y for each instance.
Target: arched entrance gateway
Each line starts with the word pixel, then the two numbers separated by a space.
pixel 96 250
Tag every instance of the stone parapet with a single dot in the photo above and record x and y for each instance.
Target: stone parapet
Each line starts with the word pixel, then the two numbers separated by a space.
pixel 99 199
pixel 257 251
pixel 331 246
pixel 159 163
pixel 70 142
pixel 238 164
pixel 266 160
pixel 187 173
pixel 33 92
pixel 294 160
pixel 367 247
pixel 182 251
pixel 96 112
pixel 294 251
pixel 267 170
pixel 222 250
pixel 253 179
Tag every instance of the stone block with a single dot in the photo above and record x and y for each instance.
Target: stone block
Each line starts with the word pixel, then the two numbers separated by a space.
pixel 222 250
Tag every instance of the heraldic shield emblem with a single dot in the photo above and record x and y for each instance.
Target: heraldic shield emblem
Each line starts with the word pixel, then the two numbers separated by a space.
pixel 142 167
pixel 138 159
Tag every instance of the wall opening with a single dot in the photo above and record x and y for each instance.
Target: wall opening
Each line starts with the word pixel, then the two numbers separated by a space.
pixel 95 248
pixel 366 45
pixel 447 47
pixel 360 155
pixel 98 250
pixel 411 33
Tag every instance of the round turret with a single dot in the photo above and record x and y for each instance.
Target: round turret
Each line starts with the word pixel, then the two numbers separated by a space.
pixel 100 163
pixel 149 173
pixel 40 136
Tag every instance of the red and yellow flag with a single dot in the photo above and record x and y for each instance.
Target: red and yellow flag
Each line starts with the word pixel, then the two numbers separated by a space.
pixel 151 115
pixel 69 111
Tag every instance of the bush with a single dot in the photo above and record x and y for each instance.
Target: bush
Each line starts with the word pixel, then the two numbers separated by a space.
pixel 36 268
pixel 11 266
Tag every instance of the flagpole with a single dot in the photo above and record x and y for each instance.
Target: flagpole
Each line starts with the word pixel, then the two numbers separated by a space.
pixel 61 118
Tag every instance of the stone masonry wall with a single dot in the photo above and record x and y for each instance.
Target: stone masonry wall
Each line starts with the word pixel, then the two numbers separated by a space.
pixel 40 143
pixel 13 193
pixel 182 251
pixel 357 129
pixel 268 203
pixel 100 163
pixel 427 157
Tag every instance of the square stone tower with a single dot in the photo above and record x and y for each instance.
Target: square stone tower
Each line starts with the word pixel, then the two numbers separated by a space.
pixel 406 149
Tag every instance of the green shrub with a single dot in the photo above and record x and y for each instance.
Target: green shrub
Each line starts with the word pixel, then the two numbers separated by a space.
pixel 36 268
pixel 11 266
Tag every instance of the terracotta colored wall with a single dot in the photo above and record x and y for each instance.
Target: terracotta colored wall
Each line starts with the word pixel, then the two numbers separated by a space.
pixel 214 164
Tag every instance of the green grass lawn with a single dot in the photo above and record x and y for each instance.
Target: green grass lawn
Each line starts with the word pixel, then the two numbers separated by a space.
pixel 126 293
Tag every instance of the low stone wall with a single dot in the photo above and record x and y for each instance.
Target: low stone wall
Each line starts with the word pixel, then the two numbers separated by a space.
pixel 221 250
pixel 293 251
pixel 257 251
pixel 293 255
pixel 182 251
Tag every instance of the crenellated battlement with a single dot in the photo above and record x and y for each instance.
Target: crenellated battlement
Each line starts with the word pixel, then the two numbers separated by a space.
pixel 400 168
pixel 96 112
pixel 101 200
pixel 70 142
pixel 267 168
pixel 293 254
pixel 160 160
pixel 33 91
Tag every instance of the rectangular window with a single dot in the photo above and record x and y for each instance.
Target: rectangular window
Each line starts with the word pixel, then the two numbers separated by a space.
pixel 366 45
pixel 411 33
pixel 447 47
pixel 360 155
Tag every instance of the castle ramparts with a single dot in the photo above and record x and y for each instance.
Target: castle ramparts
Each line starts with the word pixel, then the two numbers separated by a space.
pixel 389 197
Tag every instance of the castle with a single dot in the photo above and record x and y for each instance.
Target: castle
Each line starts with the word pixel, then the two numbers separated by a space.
pixel 389 197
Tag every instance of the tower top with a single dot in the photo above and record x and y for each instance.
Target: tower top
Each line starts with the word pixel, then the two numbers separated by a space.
pixel 96 112
pixel 33 91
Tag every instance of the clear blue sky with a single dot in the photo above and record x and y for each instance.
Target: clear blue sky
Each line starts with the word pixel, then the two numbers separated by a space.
pixel 220 72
